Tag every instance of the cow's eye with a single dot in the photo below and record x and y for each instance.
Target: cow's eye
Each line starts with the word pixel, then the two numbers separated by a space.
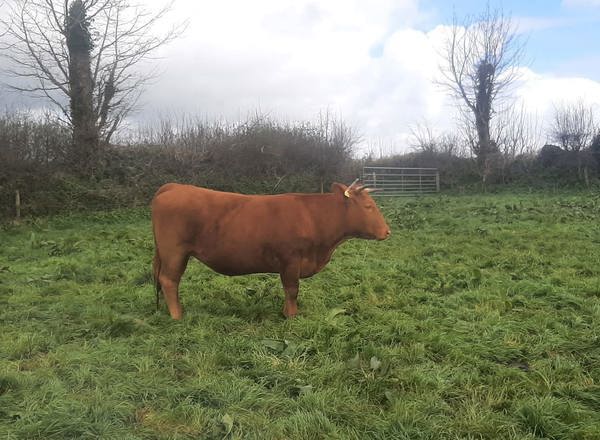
pixel 369 207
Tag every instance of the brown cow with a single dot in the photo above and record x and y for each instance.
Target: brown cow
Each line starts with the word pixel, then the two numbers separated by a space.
pixel 293 235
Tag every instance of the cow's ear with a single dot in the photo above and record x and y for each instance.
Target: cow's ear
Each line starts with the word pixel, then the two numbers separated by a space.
pixel 338 188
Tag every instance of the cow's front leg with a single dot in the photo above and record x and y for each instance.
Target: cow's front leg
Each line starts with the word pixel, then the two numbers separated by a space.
pixel 290 280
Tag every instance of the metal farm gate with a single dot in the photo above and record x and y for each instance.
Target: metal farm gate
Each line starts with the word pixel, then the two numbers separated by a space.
pixel 394 181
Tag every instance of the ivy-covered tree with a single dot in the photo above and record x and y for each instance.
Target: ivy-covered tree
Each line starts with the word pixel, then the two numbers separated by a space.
pixel 480 64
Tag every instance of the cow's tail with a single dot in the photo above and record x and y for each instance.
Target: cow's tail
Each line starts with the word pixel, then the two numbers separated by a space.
pixel 155 275
pixel 156 269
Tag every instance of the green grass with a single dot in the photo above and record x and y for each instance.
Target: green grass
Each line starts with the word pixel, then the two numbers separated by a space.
pixel 479 318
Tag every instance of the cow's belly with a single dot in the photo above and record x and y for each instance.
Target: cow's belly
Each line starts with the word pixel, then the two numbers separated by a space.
pixel 236 264
pixel 234 269
pixel 307 268
pixel 265 260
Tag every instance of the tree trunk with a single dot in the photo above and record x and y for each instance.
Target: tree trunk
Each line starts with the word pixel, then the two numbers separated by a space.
pixel 483 138
pixel 85 130
pixel 483 106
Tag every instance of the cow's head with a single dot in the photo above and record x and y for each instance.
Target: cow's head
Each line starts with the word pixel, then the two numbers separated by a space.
pixel 363 217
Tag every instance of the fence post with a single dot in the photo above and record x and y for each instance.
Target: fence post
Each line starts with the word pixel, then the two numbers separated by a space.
pixel 401 180
pixel 18 205
pixel 437 181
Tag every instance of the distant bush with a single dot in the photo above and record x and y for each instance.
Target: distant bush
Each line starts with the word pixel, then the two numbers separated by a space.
pixel 26 139
pixel 551 156
pixel 259 147
pixel 567 166
pixel 595 151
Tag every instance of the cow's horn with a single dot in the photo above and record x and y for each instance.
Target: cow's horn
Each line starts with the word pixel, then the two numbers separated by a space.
pixel 347 192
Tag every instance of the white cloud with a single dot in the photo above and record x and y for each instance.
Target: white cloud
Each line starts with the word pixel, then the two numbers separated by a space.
pixel 540 94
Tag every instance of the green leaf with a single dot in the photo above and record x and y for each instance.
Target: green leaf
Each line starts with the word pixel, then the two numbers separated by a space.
pixel 227 421
pixel 277 345
pixel 390 396
pixel 335 312
pixel 291 348
pixel 305 389
pixel 354 362
pixel 375 363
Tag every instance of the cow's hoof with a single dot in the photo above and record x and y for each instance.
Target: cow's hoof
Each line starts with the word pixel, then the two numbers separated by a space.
pixel 289 314
pixel 177 316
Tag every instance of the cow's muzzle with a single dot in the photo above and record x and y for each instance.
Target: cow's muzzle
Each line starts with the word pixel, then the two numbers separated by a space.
pixel 385 235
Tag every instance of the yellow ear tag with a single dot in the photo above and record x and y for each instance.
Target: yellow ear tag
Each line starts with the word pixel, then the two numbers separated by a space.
pixel 347 193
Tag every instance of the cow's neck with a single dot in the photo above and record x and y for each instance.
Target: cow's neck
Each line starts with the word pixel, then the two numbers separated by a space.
pixel 329 218
pixel 332 221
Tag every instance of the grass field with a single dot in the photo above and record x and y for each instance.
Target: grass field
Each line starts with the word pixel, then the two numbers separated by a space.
pixel 479 318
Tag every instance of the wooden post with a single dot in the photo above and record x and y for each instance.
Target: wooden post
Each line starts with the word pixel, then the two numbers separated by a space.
pixel 437 181
pixel 18 205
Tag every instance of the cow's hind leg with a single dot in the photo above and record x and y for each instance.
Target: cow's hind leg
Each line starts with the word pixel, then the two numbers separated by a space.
pixel 290 281
pixel 171 270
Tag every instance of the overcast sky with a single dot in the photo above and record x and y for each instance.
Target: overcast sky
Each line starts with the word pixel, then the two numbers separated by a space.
pixel 372 63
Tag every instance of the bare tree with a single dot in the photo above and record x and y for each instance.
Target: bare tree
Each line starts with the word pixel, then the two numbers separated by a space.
pixel 517 132
pixel 573 126
pixel 480 64
pixel 82 56
pixel 334 141
pixel 424 140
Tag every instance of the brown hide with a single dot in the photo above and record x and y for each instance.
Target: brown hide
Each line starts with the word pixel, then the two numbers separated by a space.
pixel 235 234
